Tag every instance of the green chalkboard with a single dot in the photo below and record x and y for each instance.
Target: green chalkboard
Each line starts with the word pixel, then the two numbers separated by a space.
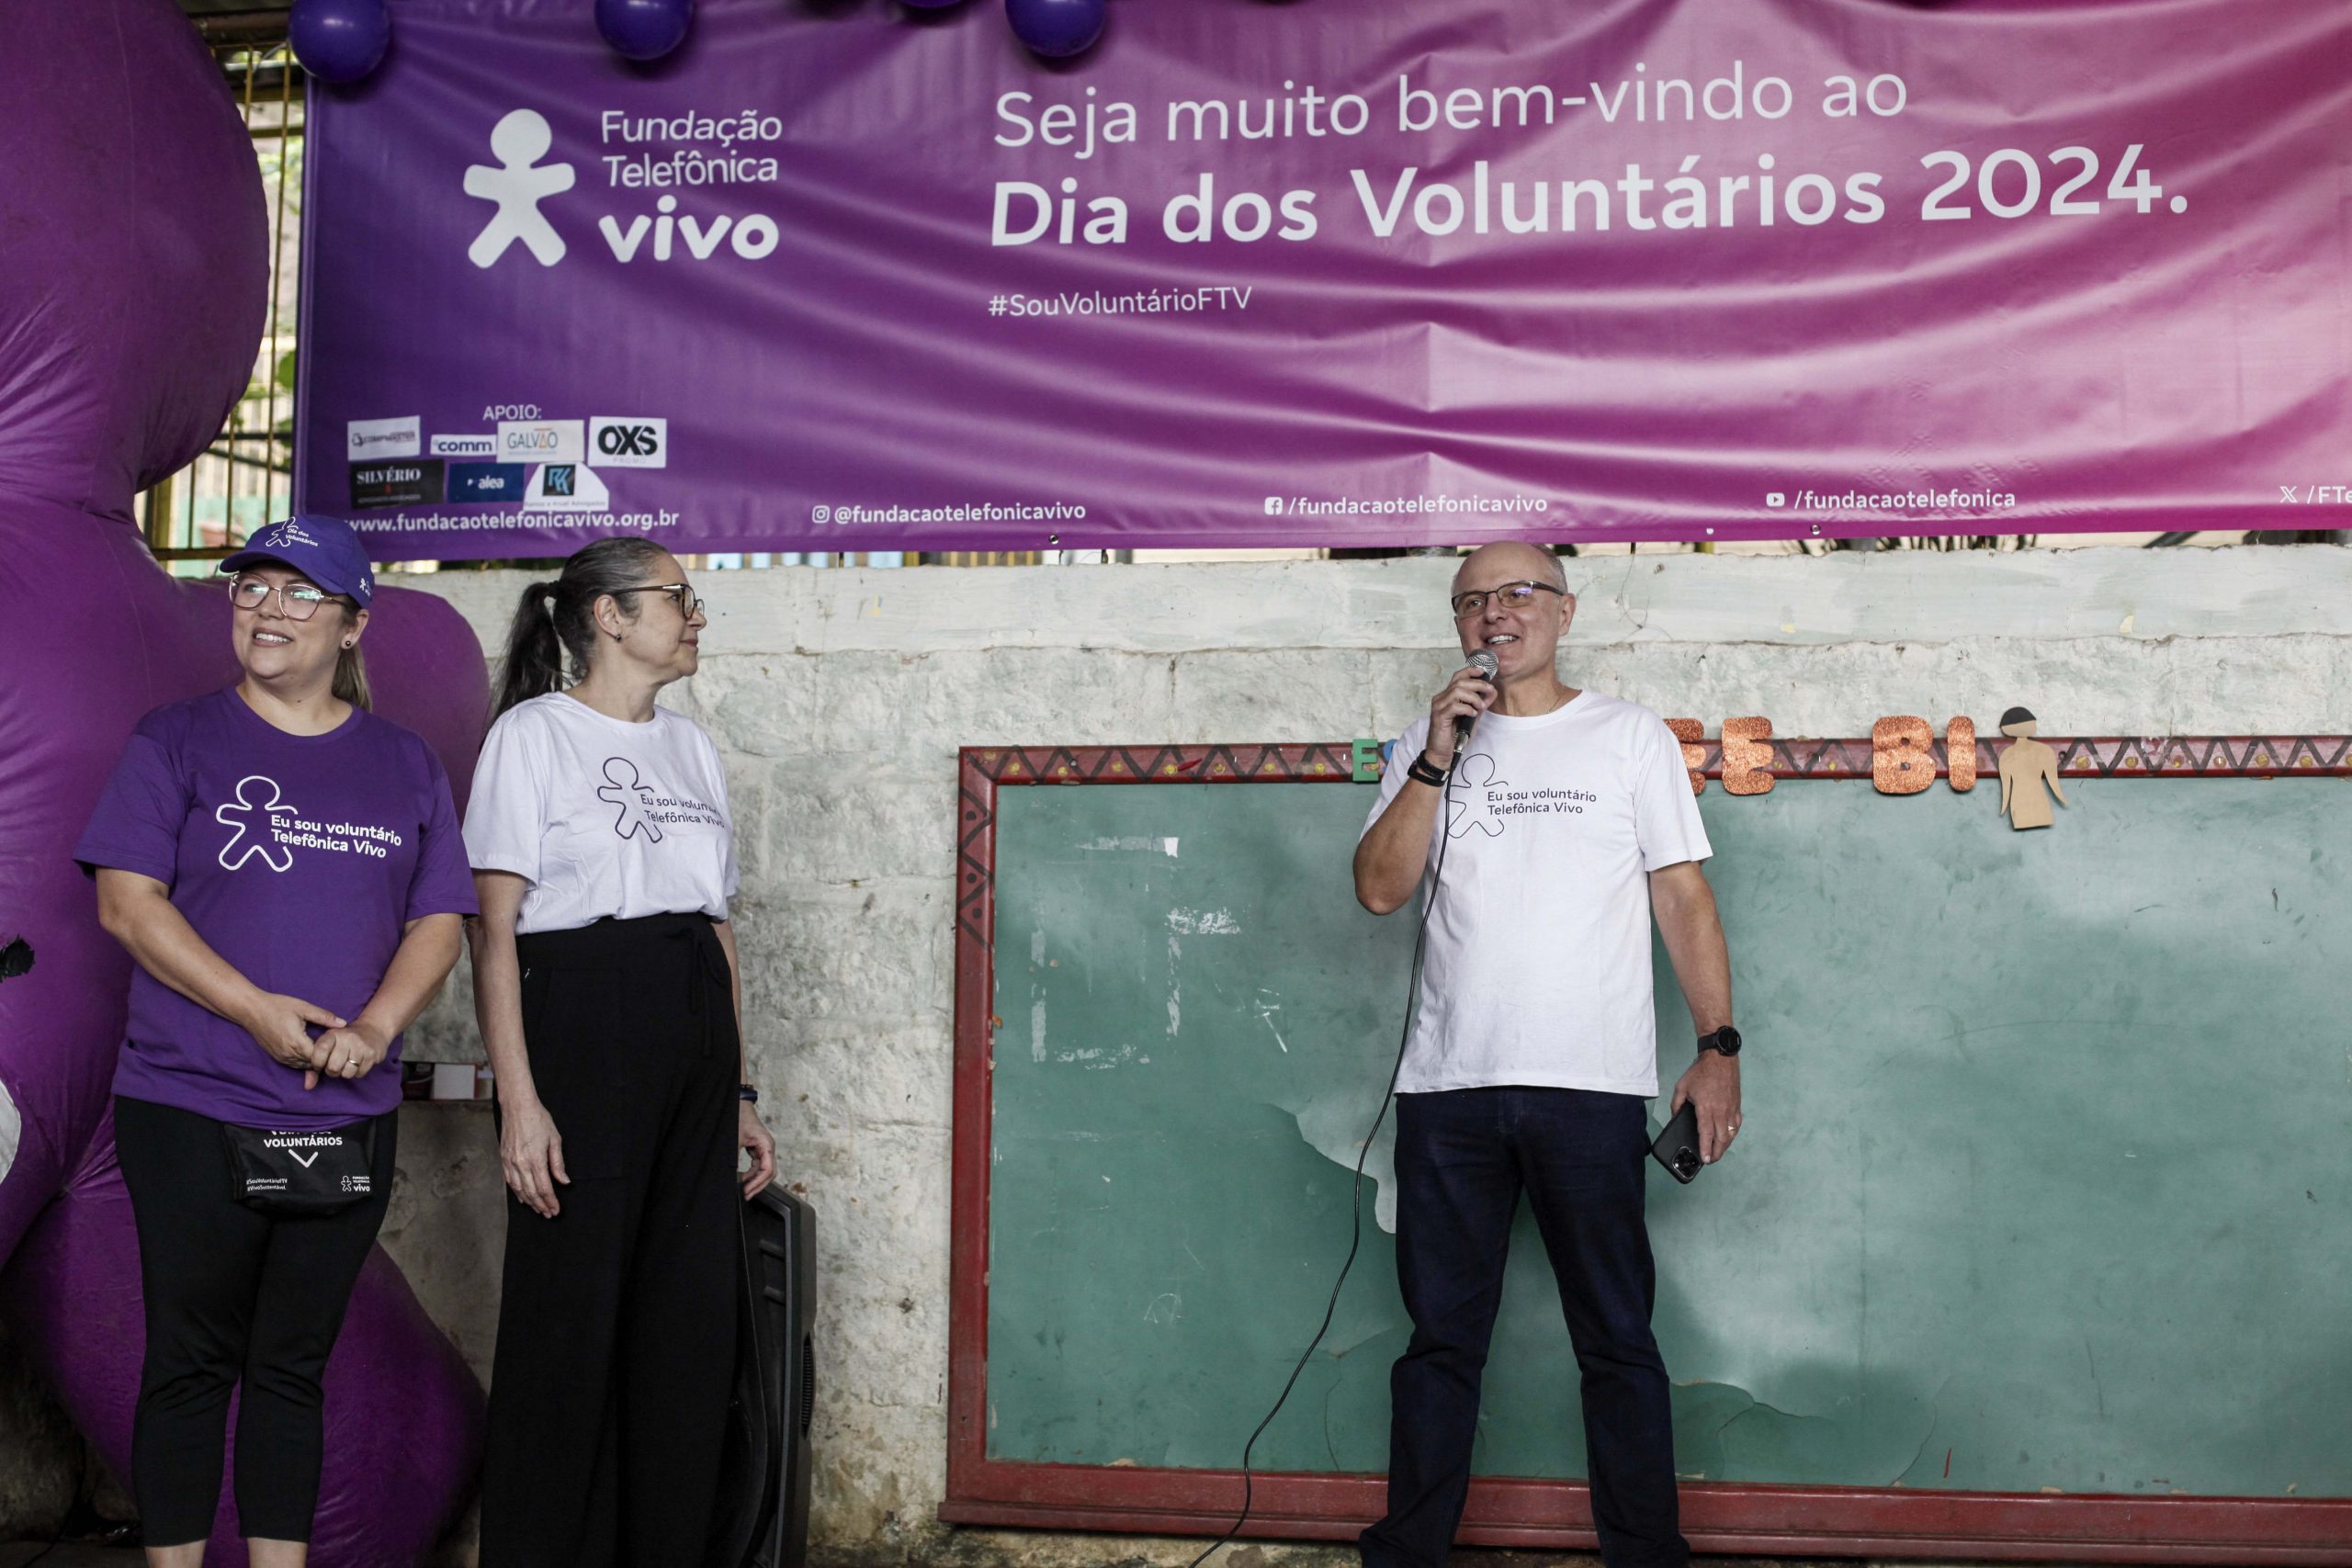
pixel 2043 1185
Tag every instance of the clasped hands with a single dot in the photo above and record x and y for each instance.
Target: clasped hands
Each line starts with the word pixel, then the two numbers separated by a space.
pixel 281 1025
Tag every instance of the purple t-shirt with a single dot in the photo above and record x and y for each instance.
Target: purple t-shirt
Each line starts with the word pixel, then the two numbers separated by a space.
pixel 298 858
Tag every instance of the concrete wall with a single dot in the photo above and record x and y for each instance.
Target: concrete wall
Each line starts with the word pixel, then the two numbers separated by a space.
pixel 840 697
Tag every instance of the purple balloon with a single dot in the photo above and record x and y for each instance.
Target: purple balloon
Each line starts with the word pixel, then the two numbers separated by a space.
pixel 122 349
pixel 1056 29
pixel 644 30
pixel 339 40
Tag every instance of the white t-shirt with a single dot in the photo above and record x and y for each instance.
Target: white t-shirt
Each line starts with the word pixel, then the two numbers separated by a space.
pixel 602 816
pixel 1538 965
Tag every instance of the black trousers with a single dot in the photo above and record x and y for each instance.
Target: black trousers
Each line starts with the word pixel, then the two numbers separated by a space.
pixel 1462 1159
pixel 233 1295
pixel 616 1331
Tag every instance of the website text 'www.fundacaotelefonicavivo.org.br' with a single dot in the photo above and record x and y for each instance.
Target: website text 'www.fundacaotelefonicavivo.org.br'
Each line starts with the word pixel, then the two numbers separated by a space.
pixel 495 522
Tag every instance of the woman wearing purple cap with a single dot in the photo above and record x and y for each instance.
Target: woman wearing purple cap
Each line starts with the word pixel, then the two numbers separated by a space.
pixel 604 977
pixel 286 869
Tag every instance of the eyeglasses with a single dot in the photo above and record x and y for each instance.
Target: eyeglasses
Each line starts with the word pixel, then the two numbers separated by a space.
pixel 689 601
pixel 1509 595
pixel 296 601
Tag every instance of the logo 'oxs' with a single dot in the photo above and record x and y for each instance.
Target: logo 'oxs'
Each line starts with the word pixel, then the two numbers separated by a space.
pixel 628 443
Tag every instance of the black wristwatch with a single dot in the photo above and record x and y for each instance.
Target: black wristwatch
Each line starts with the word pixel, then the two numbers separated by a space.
pixel 1724 1040
pixel 1428 772
pixel 751 1096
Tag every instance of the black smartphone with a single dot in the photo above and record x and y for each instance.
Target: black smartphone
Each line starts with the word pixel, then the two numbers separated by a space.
pixel 1677 1148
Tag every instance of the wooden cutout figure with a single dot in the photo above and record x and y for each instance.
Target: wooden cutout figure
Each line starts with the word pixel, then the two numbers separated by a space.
pixel 2025 766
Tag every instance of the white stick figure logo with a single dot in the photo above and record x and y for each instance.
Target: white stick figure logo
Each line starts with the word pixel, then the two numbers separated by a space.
pixel 518 185
pixel 626 792
pixel 1468 803
pixel 240 818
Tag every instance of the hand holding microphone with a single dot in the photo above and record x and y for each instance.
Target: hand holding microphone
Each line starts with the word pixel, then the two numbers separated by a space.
pixel 1457 707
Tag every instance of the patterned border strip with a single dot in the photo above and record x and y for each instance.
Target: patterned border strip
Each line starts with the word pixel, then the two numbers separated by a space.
pixel 2111 756
pixel 1323 761
pixel 1315 762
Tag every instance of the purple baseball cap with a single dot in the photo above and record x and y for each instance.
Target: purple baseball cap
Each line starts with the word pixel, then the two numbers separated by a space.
pixel 321 548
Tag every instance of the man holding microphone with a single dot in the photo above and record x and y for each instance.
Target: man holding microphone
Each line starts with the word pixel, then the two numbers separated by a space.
pixel 1567 823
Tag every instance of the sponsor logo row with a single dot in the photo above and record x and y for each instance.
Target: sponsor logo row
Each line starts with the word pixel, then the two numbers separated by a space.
pixel 434 481
pixel 540 465
pixel 608 442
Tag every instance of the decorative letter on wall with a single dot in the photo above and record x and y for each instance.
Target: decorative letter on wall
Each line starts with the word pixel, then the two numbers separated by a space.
pixel 1747 755
pixel 1689 731
pixel 1959 754
pixel 1903 755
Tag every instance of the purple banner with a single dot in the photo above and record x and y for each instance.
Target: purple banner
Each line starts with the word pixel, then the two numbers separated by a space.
pixel 848 277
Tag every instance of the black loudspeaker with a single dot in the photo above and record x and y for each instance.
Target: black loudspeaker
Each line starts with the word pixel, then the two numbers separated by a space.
pixel 762 1520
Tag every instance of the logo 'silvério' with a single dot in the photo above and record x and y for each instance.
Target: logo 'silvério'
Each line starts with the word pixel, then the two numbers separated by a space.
pixel 520 182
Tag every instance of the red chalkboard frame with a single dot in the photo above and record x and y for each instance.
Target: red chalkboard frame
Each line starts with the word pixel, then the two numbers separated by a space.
pixel 1717 1518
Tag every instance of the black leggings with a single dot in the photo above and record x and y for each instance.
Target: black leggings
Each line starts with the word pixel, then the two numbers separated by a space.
pixel 232 1293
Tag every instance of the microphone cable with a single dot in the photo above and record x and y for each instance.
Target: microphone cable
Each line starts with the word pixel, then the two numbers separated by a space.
pixel 1356 1201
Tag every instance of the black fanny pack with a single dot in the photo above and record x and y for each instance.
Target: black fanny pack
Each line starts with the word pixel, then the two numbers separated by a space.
pixel 302 1173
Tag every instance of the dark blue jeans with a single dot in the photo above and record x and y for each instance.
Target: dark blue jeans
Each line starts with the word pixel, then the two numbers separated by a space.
pixel 1462 1159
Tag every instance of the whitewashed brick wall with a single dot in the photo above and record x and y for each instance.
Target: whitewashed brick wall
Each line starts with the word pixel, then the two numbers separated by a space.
pixel 839 698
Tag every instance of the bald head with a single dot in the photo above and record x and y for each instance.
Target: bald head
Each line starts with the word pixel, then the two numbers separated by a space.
pixel 1510 560
pixel 1524 636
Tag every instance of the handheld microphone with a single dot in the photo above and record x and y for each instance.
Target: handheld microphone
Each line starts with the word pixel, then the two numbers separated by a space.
pixel 1488 667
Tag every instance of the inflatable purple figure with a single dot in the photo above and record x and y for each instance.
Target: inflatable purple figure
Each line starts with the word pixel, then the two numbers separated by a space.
pixel 133 280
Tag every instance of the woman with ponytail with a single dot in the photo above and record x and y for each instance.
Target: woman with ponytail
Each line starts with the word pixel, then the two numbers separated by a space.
pixel 285 870
pixel 606 985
